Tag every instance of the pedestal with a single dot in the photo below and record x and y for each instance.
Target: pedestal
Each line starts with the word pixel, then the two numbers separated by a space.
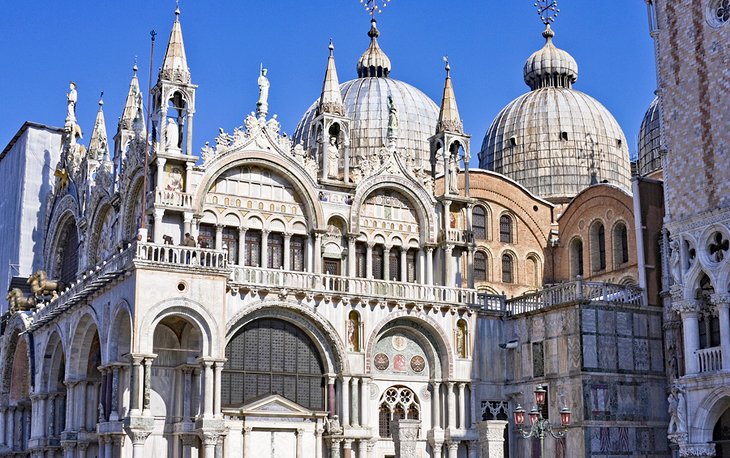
pixel 491 438
pixel 405 433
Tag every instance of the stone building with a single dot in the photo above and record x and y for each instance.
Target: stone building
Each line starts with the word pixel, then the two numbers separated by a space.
pixel 690 40
pixel 353 290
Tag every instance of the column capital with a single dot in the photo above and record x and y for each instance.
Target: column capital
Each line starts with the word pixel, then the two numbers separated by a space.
pixel 246 430
pixel 347 443
pixel 210 437
pixel 138 436
pixel 686 307
pixel 450 384
pixel 696 450
pixel 720 300
pixel 453 445
pixel 461 385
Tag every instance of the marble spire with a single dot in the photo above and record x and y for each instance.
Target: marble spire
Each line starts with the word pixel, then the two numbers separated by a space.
pixel 133 102
pixel 449 119
pixel 175 65
pixel 99 143
pixel 331 99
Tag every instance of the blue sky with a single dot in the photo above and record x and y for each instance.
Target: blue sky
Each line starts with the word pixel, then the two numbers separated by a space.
pixel 44 44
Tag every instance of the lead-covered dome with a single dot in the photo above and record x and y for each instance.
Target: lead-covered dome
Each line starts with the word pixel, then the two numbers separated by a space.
pixel 365 103
pixel 555 140
pixel 649 157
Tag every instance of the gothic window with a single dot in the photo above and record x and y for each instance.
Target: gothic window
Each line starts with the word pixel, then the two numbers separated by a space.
pixel 296 246
pixel 718 246
pixel 394 264
pixel 253 248
pixel 397 403
pixel 479 222
pixel 230 244
pixel 576 258
pixel 411 265
pixel 206 236
pixel 598 247
pixel 480 266
pixel 68 254
pixel 378 262
pixel 461 339
pixel 719 13
pixel 270 356
pixel 275 251
pixel 507 269
pixel 361 252
pixel 505 229
pixel 620 244
pixel 354 330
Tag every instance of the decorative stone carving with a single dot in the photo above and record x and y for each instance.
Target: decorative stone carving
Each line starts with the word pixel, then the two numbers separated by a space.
pixel 405 433
pixel 491 438
pixel 674 262
pixel 697 450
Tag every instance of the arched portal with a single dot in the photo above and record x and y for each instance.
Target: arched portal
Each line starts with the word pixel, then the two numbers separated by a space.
pixel 272 356
pixel 721 435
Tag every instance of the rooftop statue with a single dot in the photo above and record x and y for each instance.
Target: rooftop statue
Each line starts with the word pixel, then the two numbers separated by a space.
pixel 262 106
pixel 392 119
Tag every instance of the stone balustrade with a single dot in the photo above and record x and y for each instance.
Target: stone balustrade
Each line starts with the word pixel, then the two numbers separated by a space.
pixel 710 359
pixel 171 199
pixel 180 255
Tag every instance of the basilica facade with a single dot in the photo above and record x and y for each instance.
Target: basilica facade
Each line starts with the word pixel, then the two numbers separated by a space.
pixel 353 290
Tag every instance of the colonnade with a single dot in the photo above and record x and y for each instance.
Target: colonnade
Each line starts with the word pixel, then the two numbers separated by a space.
pixel 690 312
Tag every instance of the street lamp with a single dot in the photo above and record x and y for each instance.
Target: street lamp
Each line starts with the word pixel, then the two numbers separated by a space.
pixel 540 426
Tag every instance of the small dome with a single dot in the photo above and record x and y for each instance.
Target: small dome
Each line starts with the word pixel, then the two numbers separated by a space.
pixel 366 104
pixel 555 140
pixel 373 62
pixel 649 158
pixel 550 66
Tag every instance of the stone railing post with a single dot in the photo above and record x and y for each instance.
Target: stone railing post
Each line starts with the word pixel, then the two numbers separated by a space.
pixel 405 433
pixel 491 438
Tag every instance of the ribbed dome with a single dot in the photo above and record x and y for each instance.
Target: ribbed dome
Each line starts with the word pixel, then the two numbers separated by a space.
pixel 554 140
pixel 649 158
pixel 550 66
pixel 366 104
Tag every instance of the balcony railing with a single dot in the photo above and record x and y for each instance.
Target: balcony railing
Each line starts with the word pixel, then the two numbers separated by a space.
pixel 254 277
pixel 710 359
pixel 179 255
pixel 458 236
pixel 175 199
pixel 572 292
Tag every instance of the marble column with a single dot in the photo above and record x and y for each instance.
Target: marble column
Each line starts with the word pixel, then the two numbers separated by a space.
pixel 217 389
pixel 160 181
pixel 218 236
pixel 470 267
pixel 364 402
pixel 345 401
pixel 362 448
pixel 209 442
pixel 355 402
pixel 331 396
pixel 114 414
pixel 722 302
pixel 462 406
pixel 318 442
pixel 242 246
pixel 138 440
pixel 300 442
pixel 83 404
pixel 449 266
pixel 690 327
pixel 158 214
pixel 437 450
pixel 436 399
pixel 135 380
pixel 317 253
pixel 264 249
pixel 208 382
pixel 429 265
pixel 421 267
pixel 187 222
pixel 386 262
pixel 69 449
pixel 347 448
pixel 404 264
pixel 146 387
pixel 451 396
pixel 187 393
pixel 287 249
pixel 246 440
pixel 81 449
pixel 453 447
pixel 351 255
pixel 70 405
pixel 369 260
pixel 3 411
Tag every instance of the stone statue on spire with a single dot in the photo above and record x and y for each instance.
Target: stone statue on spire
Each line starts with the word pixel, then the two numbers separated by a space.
pixel 262 106
pixel 392 120
pixel 71 98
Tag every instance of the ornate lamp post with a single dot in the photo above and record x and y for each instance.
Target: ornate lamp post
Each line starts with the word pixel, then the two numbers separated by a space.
pixel 539 427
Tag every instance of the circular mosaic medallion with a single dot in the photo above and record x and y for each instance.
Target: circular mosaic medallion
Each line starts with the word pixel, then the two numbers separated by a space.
pixel 418 364
pixel 381 361
pixel 399 343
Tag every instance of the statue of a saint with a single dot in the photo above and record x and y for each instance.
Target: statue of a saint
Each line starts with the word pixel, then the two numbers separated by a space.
pixel 172 135
pixel 677 410
pixel 454 174
pixel 71 97
pixel 262 106
pixel 392 119
pixel 674 261
pixel 333 159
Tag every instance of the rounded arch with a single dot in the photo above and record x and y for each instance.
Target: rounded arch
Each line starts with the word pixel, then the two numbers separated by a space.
pixel 533 269
pixel 416 195
pixel 12 340
pixel 302 183
pixel 597 245
pixel 319 330
pixel 577 257
pixel 119 338
pixel 481 217
pixel 441 340
pixel 131 204
pixel 53 372
pixel 84 331
pixel 187 309
pixel 508 227
pixel 708 412
pixel 482 262
pixel 509 268
pixel 620 242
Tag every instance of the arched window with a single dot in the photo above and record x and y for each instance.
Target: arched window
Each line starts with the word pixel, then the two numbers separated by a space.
pixel 507 269
pixel 576 258
pixel 533 272
pixel 598 247
pixel 67 261
pixel 480 266
pixel 620 244
pixel 397 403
pixel 275 250
pixel 270 356
pixel 505 229
pixel 462 339
pixel 479 222
pixel 354 331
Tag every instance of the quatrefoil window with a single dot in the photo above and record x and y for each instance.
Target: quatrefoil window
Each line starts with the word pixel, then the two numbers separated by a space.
pixel 722 11
pixel 718 246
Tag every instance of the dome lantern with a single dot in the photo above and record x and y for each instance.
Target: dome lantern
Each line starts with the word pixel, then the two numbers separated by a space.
pixel 373 62
pixel 550 66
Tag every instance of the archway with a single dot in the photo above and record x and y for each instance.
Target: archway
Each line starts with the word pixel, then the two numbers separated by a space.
pixel 83 368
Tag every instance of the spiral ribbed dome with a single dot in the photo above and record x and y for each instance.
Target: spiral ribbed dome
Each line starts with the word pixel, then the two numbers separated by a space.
pixel 366 104
pixel 555 140
pixel 649 158
pixel 550 66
